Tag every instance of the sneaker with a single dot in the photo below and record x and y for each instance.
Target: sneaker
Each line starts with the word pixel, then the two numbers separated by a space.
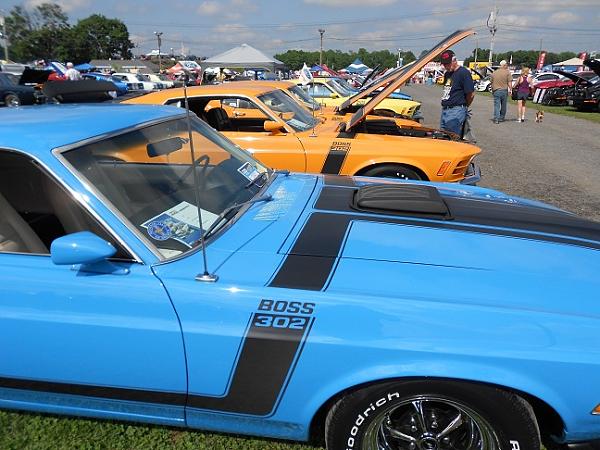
pixel 518 120
pixel 496 121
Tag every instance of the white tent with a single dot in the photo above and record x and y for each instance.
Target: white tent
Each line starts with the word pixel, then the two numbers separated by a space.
pixel 245 56
pixel 570 62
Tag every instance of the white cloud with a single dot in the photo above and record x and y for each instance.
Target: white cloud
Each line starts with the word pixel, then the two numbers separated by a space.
pixel 208 8
pixel 66 5
pixel 350 3
pixel 563 17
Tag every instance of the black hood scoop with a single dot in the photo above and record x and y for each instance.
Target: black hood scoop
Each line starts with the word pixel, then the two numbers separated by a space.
pixel 406 199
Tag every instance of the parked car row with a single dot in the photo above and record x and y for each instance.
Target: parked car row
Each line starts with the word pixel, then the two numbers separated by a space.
pixel 153 270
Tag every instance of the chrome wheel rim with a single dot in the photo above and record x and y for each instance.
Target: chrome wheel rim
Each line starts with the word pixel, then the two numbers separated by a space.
pixel 430 423
pixel 12 101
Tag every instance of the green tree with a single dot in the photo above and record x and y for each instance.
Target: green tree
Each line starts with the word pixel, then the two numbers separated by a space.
pixel 97 37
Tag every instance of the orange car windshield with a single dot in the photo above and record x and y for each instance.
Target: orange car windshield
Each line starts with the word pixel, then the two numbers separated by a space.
pixel 282 105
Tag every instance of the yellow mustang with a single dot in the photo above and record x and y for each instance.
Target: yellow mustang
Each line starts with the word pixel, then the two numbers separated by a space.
pixel 332 91
pixel 281 133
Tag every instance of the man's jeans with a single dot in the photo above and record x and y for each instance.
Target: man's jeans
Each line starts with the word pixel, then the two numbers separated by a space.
pixel 500 100
pixel 453 118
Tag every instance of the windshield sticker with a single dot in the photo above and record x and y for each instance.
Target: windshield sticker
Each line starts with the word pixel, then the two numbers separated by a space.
pixel 249 171
pixel 295 123
pixel 282 200
pixel 179 223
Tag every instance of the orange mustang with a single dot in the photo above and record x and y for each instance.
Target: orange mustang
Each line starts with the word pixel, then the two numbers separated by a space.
pixel 283 134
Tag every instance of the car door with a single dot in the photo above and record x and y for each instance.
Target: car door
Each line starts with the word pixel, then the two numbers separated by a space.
pixel 73 339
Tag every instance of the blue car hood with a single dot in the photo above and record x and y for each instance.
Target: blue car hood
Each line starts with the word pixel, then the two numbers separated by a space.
pixel 491 243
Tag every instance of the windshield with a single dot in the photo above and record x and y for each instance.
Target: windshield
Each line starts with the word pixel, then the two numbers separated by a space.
pixel 346 85
pixel 148 177
pixel 301 95
pixel 340 88
pixel 289 110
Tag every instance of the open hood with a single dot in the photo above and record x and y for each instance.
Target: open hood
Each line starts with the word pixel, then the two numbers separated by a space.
pixel 398 77
pixel 573 76
pixel 593 64
pixel 30 76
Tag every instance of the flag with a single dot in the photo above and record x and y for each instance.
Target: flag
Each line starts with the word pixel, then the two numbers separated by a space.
pixel 305 75
pixel 540 61
pixel 510 62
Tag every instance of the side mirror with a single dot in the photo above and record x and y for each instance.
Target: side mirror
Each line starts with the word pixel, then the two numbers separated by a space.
pixel 333 95
pixel 273 127
pixel 83 247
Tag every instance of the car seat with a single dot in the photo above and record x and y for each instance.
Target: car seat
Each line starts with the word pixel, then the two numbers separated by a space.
pixel 218 119
pixel 15 234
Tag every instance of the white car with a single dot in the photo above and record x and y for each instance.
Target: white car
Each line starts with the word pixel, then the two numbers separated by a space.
pixel 136 79
pixel 485 84
pixel 546 76
pixel 160 79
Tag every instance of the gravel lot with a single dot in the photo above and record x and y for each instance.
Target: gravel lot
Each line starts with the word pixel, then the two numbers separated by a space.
pixel 557 161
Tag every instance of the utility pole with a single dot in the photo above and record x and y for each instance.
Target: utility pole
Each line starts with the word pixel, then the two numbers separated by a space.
pixel 321 32
pixel 400 59
pixel 476 48
pixel 3 35
pixel 491 24
pixel 158 35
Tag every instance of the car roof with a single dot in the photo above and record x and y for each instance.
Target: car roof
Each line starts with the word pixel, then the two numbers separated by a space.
pixel 233 88
pixel 41 128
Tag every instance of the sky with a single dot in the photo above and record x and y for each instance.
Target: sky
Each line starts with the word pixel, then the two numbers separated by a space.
pixel 209 27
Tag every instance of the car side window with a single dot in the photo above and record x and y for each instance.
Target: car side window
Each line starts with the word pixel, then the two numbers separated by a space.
pixel 35 209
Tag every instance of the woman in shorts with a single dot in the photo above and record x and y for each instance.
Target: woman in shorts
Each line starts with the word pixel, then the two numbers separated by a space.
pixel 522 87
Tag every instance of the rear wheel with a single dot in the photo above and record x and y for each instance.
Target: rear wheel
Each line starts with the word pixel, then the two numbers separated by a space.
pixel 393 171
pixel 12 100
pixel 431 415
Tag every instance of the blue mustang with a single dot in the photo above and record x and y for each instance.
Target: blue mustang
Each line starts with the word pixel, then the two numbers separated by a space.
pixel 383 315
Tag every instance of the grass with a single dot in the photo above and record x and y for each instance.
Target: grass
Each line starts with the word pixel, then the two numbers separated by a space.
pixel 592 116
pixel 24 431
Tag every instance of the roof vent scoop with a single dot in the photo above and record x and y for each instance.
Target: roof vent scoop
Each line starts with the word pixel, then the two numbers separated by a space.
pixel 405 199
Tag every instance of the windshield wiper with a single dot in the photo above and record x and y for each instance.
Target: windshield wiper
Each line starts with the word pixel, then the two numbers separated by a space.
pixel 227 212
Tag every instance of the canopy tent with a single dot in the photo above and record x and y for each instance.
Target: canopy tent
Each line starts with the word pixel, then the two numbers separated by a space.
pixel 357 67
pixel 570 65
pixel 85 67
pixel 244 56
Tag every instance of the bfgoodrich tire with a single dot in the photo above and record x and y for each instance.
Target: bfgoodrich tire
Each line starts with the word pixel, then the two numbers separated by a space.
pixel 431 415
pixel 393 171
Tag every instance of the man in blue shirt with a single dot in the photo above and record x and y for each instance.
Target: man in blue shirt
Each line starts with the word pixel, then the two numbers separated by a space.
pixel 458 94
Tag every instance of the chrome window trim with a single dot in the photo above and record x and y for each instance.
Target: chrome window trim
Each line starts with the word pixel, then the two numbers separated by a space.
pixel 57 152
pixel 76 198
pixel 268 112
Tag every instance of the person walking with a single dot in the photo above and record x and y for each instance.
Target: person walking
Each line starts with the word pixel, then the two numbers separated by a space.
pixel 523 87
pixel 458 94
pixel 501 84
pixel 72 73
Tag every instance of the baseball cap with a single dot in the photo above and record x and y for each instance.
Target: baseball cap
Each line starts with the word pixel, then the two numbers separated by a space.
pixel 446 57
pixel 503 63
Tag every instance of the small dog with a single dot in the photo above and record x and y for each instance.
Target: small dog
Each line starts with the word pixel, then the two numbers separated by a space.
pixel 539 116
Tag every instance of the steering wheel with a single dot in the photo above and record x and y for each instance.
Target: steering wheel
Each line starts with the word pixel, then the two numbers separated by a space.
pixel 202 159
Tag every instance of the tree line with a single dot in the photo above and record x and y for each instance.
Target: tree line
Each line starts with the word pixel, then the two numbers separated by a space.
pixel 527 58
pixel 45 32
pixel 336 59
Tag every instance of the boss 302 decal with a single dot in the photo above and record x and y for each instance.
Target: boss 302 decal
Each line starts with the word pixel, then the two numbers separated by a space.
pixel 270 351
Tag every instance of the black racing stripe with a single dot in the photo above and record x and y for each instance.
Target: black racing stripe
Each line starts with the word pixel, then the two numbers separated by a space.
pixel 266 361
pixel 334 161
pixel 338 180
pixel 309 262
pixel 113 393
pixel 475 215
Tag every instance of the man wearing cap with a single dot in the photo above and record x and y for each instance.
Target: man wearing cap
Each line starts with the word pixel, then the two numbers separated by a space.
pixel 458 94
pixel 501 84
